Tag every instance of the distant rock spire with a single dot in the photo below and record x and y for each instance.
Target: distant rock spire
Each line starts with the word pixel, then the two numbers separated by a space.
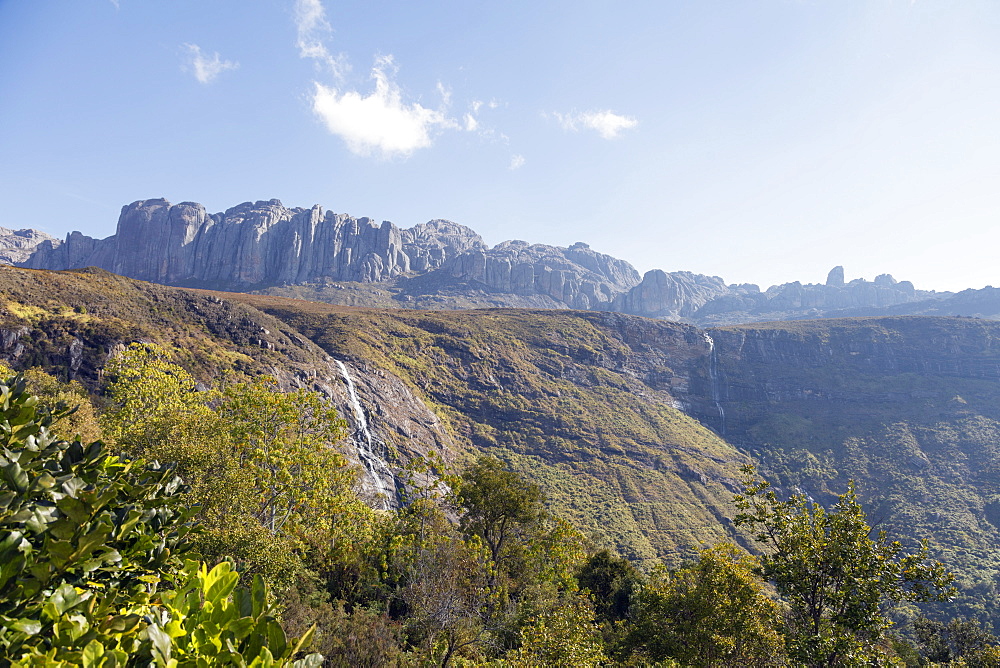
pixel 836 277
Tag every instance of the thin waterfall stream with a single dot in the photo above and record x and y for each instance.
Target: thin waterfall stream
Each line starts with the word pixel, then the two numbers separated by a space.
pixel 375 465
pixel 713 375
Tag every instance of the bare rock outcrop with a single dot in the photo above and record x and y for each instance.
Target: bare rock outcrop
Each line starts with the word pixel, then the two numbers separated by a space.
pixel 260 246
pixel 250 245
pixel 576 276
pixel 16 246
pixel 672 295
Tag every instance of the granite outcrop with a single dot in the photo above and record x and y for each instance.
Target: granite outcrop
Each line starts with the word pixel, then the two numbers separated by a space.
pixel 265 247
pixel 18 245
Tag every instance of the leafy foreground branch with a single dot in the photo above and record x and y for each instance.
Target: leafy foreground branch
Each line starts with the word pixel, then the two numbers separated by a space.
pixel 91 562
pixel 833 574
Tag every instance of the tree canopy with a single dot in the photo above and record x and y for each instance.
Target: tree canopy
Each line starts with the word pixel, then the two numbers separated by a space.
pixel 833 573
pixel 92 568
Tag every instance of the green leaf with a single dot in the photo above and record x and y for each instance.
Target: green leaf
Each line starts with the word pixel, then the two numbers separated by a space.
pixel 27 626
pixel 45 481
pixel 73 486
pixel 276 638
pixel 258 595
pixel 310 661
pixel 65 598
pixel 7 498
pixel 263 660
pixel 304 641
pixel 74 509
pixel 15 476
pixel 122 624
pixel 92 654
pixel 59 551
pixel 161 644
pixel 219 582
pixel 91 542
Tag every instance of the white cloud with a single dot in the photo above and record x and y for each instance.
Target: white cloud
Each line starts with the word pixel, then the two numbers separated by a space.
pixel 206 68
pixel 380 122
pixel 607 123
pixel 311 29
pixel 445 94
pixel 516 162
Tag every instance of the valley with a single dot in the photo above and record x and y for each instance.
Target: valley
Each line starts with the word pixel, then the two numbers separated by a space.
pixel 634 428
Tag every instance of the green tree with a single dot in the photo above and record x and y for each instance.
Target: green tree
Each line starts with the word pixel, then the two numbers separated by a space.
pixel 441 583
pixel 960 638
pixel 271 488
pixel 501 509
pixel 91 568
pixel 563 634
pixel 612 582
pixel 286 439
pixel 714 612
pixel 79 420
pixel 156 409
pixel 834 575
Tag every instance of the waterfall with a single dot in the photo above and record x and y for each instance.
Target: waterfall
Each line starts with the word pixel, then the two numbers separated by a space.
pixel 374 463
pixel 713 374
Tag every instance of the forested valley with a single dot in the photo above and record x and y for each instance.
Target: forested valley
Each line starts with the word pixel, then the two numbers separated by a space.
pixel 546 495
pixel 220 526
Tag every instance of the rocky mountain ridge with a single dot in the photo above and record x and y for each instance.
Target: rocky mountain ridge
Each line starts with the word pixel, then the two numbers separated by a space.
pixel 266 247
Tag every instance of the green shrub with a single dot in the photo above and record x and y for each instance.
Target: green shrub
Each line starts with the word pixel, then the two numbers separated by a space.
pixel 91 569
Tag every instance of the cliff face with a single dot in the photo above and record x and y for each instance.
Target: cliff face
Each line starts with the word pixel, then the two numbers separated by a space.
pixel 908 407
pixel 878 368
pixel 264 246
pixel 676 296
pixel 576 276
pixel 254 245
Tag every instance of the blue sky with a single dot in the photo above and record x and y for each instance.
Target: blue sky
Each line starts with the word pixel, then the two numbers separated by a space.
pixel 762 142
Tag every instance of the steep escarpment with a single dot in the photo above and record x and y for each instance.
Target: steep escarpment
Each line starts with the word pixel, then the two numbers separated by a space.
pixel 914 363
pixel 907 407
pixel 589 405
pixel 253 244
pixel 263 244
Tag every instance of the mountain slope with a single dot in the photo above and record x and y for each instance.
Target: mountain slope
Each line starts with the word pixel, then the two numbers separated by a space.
pixel 908 407
pixel 583 403
pixel 617 417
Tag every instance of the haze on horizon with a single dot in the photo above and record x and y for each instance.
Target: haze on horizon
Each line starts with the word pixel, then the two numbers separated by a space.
pixel 763 142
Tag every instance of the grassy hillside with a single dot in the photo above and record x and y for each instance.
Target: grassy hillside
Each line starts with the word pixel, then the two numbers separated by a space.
pixel 582 403
pixel 574 400
pixel 69 321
